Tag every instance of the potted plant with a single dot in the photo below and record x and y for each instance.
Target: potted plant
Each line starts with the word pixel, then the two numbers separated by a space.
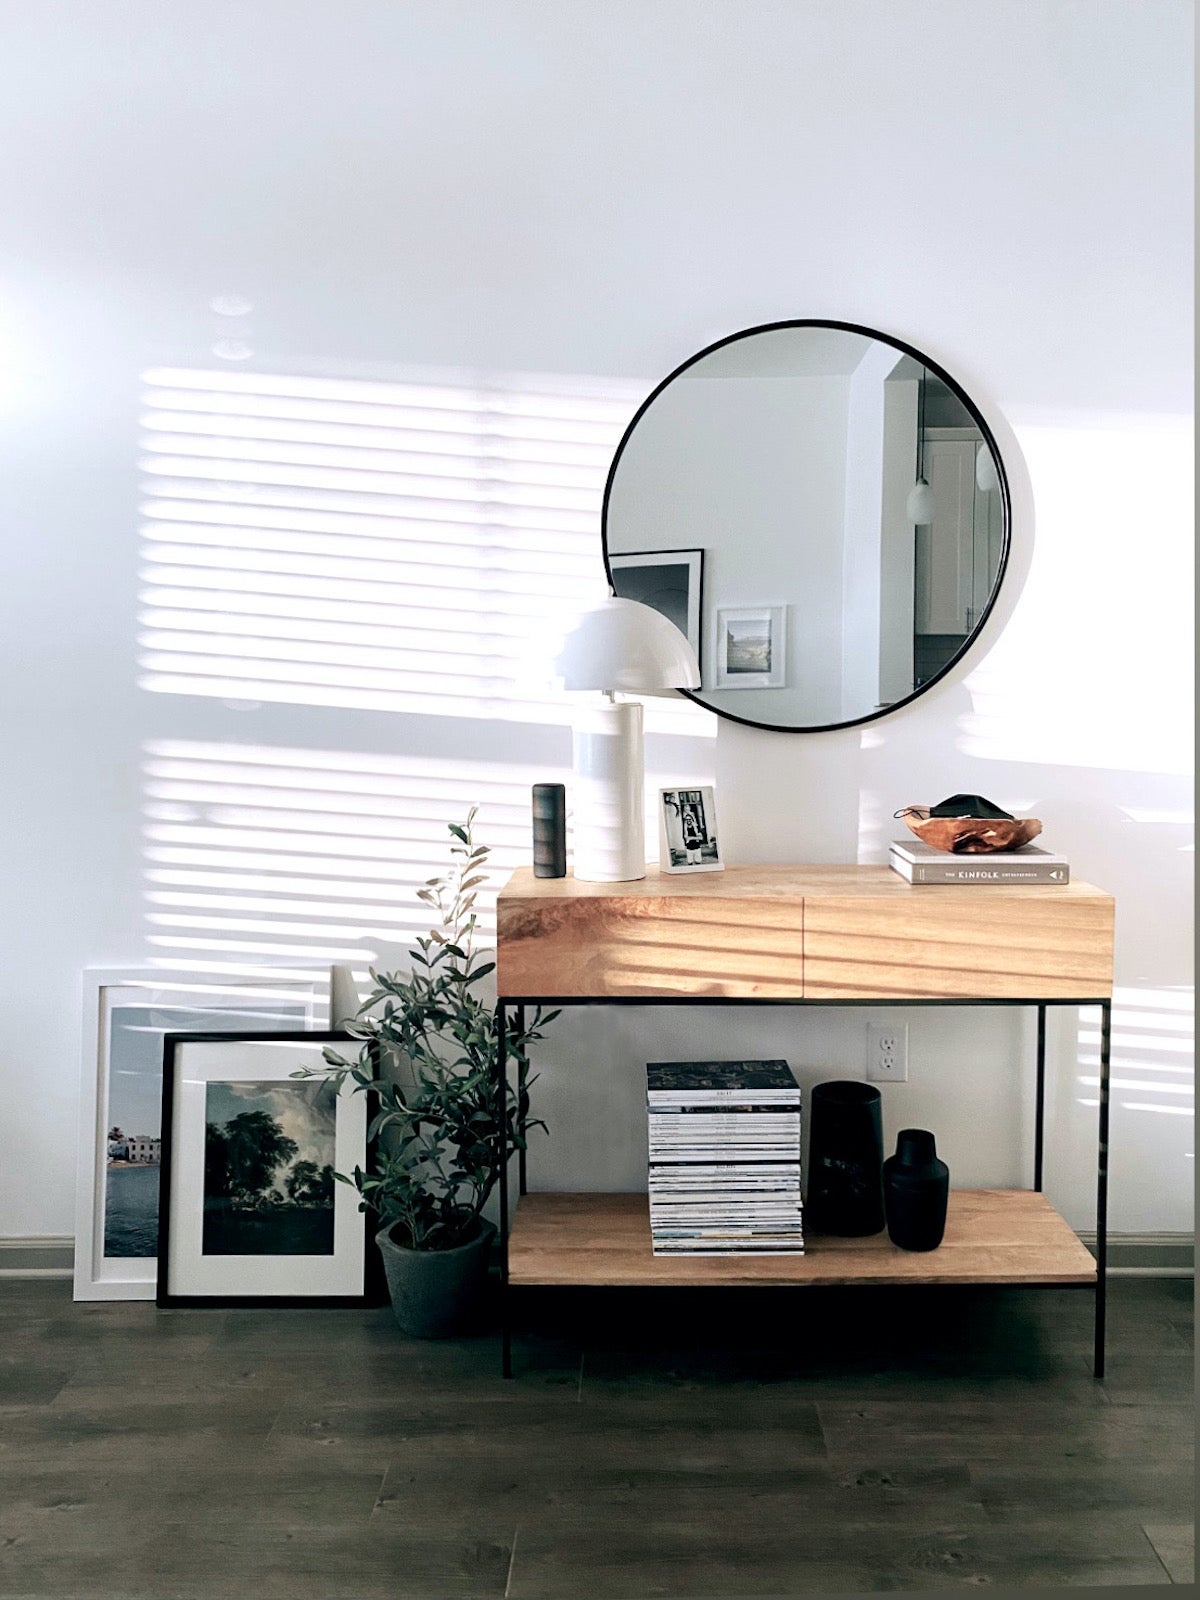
pixel 428 1053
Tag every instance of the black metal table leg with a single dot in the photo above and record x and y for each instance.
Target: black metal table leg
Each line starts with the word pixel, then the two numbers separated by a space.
pixel 522 1090
pixel 502 1102
pixel 1102 1190
pixel 1039 1132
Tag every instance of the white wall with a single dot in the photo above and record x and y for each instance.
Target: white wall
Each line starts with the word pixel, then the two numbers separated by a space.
pixel 590 193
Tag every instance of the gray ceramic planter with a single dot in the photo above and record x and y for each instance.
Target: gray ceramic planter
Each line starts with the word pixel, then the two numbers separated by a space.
pixel 436 1292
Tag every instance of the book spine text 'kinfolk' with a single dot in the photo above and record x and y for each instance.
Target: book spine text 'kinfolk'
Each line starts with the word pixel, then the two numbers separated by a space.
pixel 957 871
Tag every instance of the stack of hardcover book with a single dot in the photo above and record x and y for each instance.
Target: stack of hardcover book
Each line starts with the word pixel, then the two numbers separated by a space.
pixel 921 863
pixel 724 1158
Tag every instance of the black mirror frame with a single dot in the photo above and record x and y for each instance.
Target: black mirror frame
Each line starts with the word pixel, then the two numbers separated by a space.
pixel 952 384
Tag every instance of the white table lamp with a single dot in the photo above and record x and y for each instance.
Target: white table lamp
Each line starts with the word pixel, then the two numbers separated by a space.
pixel 619 646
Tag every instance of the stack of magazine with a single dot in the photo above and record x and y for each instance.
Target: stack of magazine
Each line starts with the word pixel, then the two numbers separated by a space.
pixel 724 1158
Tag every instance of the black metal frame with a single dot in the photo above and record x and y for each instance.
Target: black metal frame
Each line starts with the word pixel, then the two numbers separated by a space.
pixel 518 1004
pixel 951 383
pixel 374 1291
pixel 687 550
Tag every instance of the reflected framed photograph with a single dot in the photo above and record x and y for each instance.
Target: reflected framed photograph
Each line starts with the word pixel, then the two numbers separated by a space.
pixel 251 1213
pixel 670 581
pixel 127 1013
pixel 751 647
pixel 687 830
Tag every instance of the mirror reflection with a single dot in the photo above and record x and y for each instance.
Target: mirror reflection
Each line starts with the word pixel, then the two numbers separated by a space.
pixel 821 511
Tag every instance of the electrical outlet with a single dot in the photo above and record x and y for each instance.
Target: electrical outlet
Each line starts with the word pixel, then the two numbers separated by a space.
pixel 887 1052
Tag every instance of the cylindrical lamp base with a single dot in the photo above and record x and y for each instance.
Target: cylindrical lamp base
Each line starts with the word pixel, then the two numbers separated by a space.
pixel 609 800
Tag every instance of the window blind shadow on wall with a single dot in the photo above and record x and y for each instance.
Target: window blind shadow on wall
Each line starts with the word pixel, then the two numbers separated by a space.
pixel 259 857
pixel 1153 1052
pixel 368 546
pixel 388 546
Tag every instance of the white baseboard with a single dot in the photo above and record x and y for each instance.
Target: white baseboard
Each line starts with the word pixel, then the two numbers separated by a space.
pixel 1130 1255
pixel 1147 1255
pixel 37 1258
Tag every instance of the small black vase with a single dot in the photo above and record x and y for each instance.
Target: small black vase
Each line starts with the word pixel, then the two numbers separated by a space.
pixel 845 1154
pixel 916 1187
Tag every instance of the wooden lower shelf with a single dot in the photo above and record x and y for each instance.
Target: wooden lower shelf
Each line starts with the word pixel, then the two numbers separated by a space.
pixel 992 1236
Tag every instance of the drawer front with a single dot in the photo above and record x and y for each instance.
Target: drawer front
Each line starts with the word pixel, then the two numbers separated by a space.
pixel 959 943
pixel 614 947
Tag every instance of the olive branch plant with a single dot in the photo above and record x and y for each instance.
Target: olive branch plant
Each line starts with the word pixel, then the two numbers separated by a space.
pixel 437 1130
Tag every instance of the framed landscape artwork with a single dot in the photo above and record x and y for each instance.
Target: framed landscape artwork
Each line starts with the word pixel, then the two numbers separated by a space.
pixel 127 1012
pixel 250 1212
pixel 670 581
pixel 751 647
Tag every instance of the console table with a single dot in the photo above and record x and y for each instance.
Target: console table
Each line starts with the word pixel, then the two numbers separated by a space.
pixel 815 936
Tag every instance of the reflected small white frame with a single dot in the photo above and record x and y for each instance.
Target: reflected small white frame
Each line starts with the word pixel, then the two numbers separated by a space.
pixel 773 619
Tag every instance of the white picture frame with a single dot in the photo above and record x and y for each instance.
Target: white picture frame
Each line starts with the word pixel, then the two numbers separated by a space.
pixel 671 581
pixel 750 647
pixel 182 999
pixel 687 829
pixel 223 1243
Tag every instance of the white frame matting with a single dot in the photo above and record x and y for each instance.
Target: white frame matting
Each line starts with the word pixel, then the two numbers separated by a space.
pixel 98 1276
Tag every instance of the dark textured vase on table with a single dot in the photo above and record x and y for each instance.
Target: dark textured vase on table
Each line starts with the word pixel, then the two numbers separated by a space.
pixel 549 830
pixel 845 1158
pixel 916 1191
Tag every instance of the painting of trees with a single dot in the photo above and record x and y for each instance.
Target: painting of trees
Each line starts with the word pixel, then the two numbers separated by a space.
pixel 268 1170
pixel 256 1146
pixel 310 1185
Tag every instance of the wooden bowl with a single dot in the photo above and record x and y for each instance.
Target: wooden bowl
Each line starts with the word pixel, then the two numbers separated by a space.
pixel 971 836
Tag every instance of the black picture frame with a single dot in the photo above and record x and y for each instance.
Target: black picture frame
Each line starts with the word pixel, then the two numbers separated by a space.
pixel 690 560
pixel 374 1284
pixel 974 412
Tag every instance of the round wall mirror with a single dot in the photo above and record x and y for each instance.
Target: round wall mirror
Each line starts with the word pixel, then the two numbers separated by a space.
pixel 822 510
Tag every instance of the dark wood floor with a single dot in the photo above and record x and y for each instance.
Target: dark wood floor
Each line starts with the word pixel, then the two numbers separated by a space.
pixel 699 1444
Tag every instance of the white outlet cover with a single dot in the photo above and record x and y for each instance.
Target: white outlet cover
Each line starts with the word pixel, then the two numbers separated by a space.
pixel 887 1052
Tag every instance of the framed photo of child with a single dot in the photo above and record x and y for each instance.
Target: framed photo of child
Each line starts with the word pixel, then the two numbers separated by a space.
pixel 687 830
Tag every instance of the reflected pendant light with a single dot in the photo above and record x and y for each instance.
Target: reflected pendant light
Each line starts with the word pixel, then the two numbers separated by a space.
pixel 986 480
pixel 919 505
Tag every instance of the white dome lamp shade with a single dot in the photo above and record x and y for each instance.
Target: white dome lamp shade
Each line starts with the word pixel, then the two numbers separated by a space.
pixel 919 505
pixel 627 647
pixel 617 646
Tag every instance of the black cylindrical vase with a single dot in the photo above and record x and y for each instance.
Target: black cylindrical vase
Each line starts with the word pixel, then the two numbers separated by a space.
pixel 549 830
pixel 845 1155
pixel 916 1188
